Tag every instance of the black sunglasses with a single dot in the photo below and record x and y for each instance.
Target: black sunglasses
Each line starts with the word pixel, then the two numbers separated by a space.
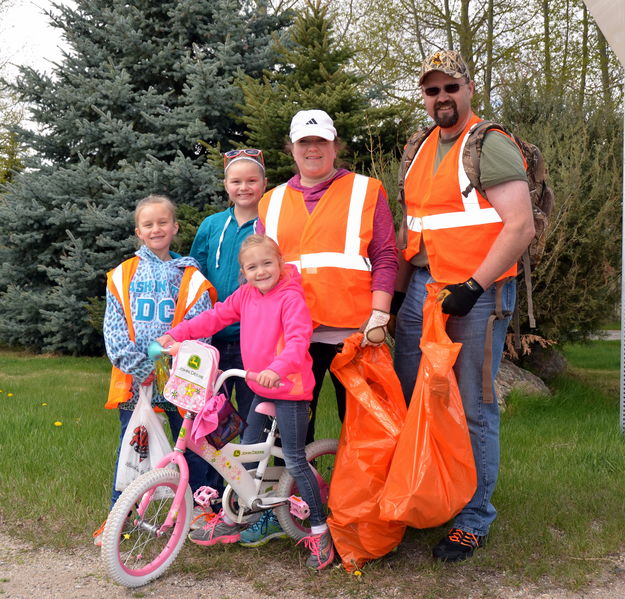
pixel 450 88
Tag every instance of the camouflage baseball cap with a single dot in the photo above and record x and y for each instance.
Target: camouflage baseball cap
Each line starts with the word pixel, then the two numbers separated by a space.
pixel 446 61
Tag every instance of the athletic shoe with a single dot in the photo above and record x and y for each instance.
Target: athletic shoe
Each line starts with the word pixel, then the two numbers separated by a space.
pixel 97 535
pixel 200 516
pixel 321 550
pixel 216 531
pixel 457 546
pixel 262 531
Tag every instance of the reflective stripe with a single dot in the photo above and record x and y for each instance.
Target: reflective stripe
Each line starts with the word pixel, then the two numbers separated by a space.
pixel 117 278
pixel 273 212
pixel 297 264
pixel 415 224
pixel 336 260
pixel 471 201
pixel 196 281
pixel 354 217
pixel 451 220
pixel 414 160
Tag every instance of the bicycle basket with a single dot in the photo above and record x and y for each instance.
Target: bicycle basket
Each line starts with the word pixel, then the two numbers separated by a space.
pixel 193 375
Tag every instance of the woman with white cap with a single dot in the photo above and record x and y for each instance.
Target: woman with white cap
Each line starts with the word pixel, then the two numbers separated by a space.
pixel 337 227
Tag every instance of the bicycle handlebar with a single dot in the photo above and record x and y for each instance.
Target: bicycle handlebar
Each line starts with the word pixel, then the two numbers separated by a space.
pixel 155 350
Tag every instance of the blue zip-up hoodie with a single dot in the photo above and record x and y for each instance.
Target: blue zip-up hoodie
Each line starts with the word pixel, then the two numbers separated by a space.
pixel 216 248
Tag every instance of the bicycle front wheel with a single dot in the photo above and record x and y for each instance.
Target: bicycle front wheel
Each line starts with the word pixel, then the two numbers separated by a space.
pixel 320 455
pixel 134 549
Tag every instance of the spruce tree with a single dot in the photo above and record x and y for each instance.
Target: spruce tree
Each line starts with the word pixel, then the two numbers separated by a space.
pixel 313 71
pixel 139 99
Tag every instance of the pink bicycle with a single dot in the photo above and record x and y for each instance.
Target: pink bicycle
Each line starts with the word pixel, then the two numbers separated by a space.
pixel 148 525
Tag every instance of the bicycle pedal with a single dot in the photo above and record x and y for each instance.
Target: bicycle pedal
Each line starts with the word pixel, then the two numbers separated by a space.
pixel 205 495
pixel 299 508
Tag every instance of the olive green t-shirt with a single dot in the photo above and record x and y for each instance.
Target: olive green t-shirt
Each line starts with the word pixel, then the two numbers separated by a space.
pixel 500 162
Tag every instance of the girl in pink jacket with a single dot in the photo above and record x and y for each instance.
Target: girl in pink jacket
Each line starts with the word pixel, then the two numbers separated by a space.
pixel 276 328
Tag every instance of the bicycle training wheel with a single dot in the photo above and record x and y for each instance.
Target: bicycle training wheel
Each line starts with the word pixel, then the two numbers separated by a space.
pixel 320 455
pixel 133 551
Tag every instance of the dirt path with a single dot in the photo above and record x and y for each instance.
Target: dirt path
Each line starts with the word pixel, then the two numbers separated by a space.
pixel 27 573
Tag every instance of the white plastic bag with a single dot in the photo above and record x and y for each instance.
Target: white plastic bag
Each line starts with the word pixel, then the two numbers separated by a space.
pixel 144 443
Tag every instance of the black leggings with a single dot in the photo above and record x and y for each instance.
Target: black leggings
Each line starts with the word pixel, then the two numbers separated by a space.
pixel 322 355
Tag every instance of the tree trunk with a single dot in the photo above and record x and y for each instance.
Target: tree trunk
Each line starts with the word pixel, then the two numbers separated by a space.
pixel 604 66
pixel 584 64
pixel 488 67
pixel 547 44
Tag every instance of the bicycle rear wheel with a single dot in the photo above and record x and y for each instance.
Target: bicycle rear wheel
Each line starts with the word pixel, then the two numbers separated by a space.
pixel 320 455
pixel 133 551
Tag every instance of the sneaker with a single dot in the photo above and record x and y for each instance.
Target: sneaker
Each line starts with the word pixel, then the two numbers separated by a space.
pixel 200 516
pixel 216 531
pixel 97 535
pixel 321 550
pixel 262 531
pixel 457 546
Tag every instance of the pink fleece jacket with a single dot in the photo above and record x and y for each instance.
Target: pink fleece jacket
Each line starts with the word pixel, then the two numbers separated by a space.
pixel 275 333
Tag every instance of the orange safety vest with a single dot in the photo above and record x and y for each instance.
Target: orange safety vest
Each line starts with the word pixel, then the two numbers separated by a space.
pixel 329 246
pixel 458 230
pixel 192 286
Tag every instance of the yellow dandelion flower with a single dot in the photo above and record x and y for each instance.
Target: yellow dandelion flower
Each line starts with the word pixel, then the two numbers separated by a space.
pixel 9 394
pixel 58 423
pixel 44 404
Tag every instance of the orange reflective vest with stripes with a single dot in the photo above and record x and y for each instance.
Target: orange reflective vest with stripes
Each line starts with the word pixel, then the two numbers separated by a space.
pixel 458 230
pixel 329 246
pixel 192 286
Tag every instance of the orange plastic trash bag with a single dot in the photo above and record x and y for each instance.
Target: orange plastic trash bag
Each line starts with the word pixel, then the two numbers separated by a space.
pixel 432 476
pixel 375 415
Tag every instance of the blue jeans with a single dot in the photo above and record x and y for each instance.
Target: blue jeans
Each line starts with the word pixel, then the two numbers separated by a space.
pixel 482 418
pixel 292 418
pixel 197 466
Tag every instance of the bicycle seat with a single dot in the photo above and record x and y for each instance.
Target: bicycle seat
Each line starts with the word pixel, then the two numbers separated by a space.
pixel 268 408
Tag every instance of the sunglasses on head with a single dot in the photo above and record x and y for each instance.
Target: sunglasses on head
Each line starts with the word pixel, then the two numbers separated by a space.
pixel 252 153
pixel 450 88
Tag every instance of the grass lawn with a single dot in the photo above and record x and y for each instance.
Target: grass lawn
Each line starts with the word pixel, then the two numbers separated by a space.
pixel 559 494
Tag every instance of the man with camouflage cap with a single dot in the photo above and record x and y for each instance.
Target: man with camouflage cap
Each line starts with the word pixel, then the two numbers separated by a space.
pixel 471 242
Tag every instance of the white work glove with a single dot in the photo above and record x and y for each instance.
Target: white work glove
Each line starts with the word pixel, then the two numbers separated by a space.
pixel 374 330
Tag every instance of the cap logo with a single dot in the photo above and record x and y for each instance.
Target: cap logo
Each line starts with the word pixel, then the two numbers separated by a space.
pixel 312 122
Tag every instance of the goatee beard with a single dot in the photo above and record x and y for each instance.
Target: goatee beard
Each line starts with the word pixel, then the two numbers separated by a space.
pixel 447 120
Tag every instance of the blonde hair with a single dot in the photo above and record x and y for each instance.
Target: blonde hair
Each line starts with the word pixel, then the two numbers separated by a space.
pixel 256 240
pixel 154 199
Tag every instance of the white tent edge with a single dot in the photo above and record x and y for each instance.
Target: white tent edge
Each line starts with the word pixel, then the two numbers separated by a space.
pixel 610 17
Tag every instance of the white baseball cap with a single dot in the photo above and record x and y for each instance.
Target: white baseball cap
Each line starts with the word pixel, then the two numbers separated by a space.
pixel 314 123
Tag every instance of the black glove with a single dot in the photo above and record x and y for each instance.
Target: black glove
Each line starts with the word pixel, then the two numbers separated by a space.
pixel 458 299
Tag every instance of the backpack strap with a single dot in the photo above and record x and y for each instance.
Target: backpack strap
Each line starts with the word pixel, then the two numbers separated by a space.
pixel 473 152
pixel 410 151
pixel 487 365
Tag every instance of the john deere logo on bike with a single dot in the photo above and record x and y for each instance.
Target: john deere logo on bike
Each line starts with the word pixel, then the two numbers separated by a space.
pixel 236 453
pixel 194 362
